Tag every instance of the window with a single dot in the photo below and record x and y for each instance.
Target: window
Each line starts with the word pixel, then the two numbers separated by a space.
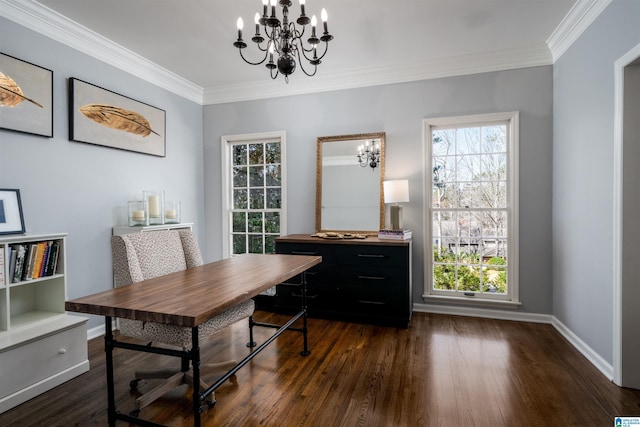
pixel 472 200
pixel 254 192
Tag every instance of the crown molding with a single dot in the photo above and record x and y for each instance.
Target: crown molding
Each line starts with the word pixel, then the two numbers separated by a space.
pixel 37 17
pixel 386 74
pixel 581 15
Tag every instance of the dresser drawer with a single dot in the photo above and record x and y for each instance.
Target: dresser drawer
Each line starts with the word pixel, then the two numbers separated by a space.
pixel 37 360
pixel 325 251
pixel 319 297
pixel 384 256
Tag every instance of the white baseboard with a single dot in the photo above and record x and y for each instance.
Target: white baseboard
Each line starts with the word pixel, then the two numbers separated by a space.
pixel 95 332
pixel 483 312
pixel 596 360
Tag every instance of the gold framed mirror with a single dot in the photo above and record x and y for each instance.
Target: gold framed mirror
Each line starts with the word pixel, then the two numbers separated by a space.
pixel 349 196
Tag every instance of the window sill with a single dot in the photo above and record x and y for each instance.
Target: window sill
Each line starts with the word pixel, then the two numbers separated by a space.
pixel 472 301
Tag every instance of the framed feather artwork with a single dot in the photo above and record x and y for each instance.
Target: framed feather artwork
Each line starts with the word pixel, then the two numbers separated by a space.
pixel 102 117
pixel 26 97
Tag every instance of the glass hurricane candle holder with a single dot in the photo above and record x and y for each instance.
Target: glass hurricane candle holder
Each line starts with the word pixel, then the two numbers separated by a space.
pixel 138 213
pixel 171 212
pixel 155 203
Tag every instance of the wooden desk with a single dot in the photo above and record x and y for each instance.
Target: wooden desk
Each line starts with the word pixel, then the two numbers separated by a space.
pixel 189 298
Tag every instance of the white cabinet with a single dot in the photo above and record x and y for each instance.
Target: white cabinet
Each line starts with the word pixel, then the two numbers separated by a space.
pixel 41 346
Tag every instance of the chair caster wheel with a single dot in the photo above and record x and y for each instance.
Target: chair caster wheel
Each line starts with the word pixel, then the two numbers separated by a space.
pixel 135 413
pixel 134 385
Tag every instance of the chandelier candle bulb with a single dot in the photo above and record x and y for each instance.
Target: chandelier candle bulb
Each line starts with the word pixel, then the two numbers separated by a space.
pixel 302 7
pixel 273 8
pixel 323 16
pixel 240 25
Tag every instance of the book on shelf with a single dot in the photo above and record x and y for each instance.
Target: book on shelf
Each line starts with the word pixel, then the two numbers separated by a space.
pixel 52 261
pixel 394 234
pixel 20 262
pixel 30 261
pixel 12 263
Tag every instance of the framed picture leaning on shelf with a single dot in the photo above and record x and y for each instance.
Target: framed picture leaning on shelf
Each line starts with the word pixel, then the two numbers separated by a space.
pixel 26 97
pixel 11 220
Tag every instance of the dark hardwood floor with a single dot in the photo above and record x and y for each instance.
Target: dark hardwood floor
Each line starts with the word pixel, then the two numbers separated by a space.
pixel 442 371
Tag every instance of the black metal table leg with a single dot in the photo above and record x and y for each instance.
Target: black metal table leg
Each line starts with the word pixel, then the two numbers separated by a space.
pixel 108 348
pixel 195 364
pixel 305 351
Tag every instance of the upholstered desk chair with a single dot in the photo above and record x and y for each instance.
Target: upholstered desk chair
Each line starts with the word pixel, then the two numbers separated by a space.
pixel 142 256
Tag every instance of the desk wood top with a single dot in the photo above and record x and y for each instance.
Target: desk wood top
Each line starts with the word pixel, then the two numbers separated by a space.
pixel 193 296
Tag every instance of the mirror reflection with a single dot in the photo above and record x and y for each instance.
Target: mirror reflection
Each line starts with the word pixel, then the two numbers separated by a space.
pixel 349 189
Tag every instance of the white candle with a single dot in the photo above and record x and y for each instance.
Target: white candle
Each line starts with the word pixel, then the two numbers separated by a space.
pixel 170 214
pixel 137 215
pixel 154 206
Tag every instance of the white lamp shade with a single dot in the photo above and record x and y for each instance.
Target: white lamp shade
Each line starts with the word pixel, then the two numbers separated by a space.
pixel 396 191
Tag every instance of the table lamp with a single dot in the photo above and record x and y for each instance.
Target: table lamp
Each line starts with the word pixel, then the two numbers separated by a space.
pixel 396 192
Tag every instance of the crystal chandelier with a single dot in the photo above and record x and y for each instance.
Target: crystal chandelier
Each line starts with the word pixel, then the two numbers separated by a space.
pixel 369 155
pixel 284 39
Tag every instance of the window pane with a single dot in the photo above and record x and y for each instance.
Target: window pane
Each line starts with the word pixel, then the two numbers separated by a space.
pixel 273 152
pixel 240 176
pixel 494 167
pixel 240 199
pixel 255 244
pixel 468 140
pixel 495 139
pixel 239 155
pixel 255 222
pixel 495 279
pixel 256 176
pixel 256 154
pixel 239 244
pixel 274 198
pixel 239 222
pixel 257 199
pixel 272 222
pixel 270 244
pixel 273 175
pixel 444 277
pixel 443 142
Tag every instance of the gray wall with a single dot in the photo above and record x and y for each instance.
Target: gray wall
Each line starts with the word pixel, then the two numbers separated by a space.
pixel 80 188
pixel 398 110
pixel 583 177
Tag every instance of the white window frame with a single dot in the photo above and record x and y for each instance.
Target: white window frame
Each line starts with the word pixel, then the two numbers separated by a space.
pixel 513 293
pixel 227 203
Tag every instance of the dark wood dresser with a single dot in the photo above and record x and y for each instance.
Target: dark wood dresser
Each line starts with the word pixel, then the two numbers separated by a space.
pixel 363 280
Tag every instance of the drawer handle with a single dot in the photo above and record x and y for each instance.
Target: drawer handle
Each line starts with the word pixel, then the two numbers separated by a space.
pixel 371 256
pixel 372 277
pixel 62 351
pixel 293 294
pixel 362 301
pixel 303 253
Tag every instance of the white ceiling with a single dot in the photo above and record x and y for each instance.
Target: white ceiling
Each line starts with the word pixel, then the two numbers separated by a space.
pixel 189 43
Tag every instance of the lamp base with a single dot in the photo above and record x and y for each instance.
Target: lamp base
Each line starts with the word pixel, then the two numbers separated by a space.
pixel 396 217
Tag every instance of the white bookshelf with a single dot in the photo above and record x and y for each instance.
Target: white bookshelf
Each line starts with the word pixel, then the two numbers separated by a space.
pixel 41 346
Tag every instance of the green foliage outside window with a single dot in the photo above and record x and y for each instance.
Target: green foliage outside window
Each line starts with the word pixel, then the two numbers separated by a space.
pixel 468 275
